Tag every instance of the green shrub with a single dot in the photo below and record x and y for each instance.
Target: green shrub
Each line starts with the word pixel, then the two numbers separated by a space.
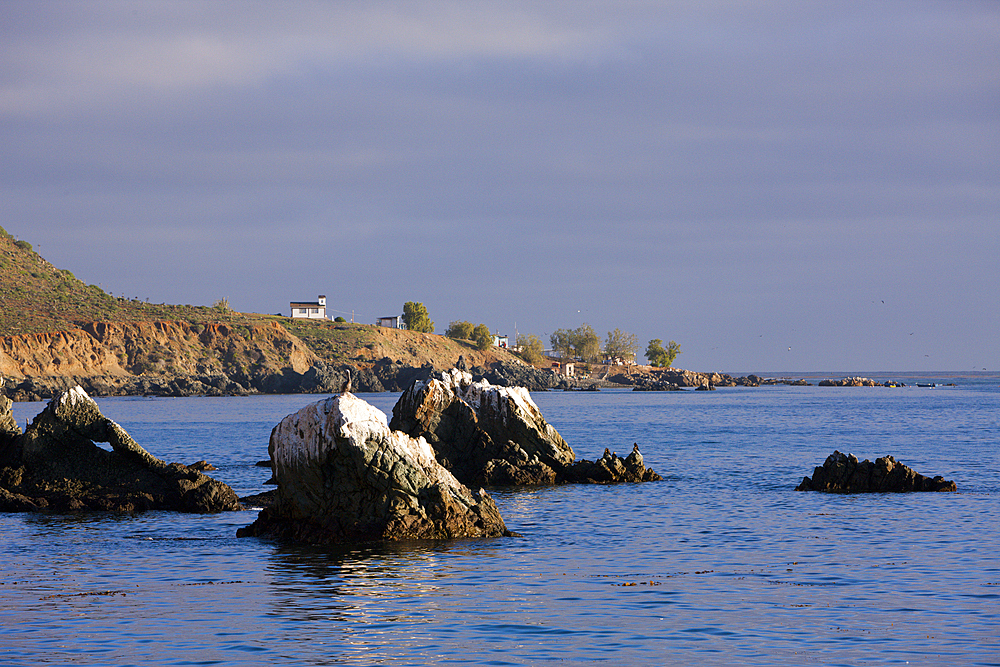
pixel 482 336
pixel 460 329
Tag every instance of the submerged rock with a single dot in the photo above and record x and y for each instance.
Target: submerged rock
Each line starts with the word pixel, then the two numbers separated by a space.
pixel 343 475
pixel 843 473
pixel 56 465
pixel 496 436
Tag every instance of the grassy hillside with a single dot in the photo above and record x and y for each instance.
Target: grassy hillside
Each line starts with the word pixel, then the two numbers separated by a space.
pixel 38 298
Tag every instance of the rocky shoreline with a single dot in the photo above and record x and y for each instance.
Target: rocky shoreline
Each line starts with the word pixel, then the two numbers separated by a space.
pixel 392 375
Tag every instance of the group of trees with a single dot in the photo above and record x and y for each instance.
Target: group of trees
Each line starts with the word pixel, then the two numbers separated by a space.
pixel 619 346
pixel 477 333
pixel 580 343
pixel 584 343
pixel 662 356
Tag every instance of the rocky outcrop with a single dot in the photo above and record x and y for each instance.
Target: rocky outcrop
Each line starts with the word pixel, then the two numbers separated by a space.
pixel 843 473
pixel 611 468
pixel 673 379
pixel 484 434
pixel 56 465
pixel 511 374
pixel 343 475
pixel 859 382
pixel 496 436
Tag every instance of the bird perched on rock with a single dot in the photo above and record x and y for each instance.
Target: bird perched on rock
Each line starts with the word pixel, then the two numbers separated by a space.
pixel 346 386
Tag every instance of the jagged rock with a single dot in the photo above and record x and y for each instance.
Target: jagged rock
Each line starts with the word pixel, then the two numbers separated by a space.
pixel 843 473
pixel 611 468
pixel 343 475
pixel 493 435
pixel 469 424
pixel 55 464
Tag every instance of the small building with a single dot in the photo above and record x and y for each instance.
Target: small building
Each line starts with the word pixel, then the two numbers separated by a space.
pixel 568 368
pixel 313 310
pixel 392 322
pixel 501 341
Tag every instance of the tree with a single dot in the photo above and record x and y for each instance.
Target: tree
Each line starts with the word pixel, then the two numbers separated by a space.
pixel 582 342
pixel 658 356
pixel 460 330
pixel 621 345
pixel 481 334
pixel 531 348
pixel 415 317
pixel 561 341
pixel 586 343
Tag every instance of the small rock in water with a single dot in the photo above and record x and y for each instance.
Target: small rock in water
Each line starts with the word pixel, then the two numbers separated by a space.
pixel 843 473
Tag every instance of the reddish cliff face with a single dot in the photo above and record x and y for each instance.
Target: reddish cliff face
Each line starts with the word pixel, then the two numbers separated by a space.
pixel 113 348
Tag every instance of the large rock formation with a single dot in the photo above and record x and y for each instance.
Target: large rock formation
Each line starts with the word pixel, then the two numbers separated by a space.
pixel 343 475
pixel 56 465
pixel 843 473
pixel 497 436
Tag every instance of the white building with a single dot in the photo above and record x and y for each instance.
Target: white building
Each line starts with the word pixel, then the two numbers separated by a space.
pixel 314 310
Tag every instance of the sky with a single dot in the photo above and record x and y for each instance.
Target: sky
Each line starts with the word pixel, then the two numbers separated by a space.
pixel 777 186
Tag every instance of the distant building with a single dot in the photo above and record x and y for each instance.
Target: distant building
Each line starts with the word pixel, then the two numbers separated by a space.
pixel 393 322
pixel 568 369
pixel 313 310
pixel 500 341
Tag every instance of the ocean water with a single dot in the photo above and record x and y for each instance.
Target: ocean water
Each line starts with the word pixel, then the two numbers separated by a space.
pixel 720 563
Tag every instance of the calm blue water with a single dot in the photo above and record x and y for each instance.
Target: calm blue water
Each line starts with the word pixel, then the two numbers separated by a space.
pixel 721 563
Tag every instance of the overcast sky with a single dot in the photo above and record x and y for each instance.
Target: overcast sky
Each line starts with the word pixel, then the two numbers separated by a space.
pixel 777 186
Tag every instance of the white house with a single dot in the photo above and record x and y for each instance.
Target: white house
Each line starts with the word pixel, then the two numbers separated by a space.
pixel 393 322
pixel 314 310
